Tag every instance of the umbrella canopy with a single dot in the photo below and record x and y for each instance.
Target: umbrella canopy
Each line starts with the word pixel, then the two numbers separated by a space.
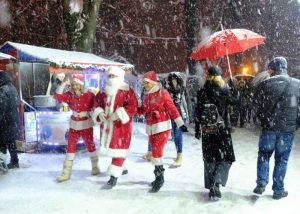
pixel 6 56
pixel 226 42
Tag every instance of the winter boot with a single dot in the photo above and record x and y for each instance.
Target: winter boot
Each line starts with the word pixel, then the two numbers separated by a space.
pixel 94 160
pixel 67 169
pixel 178 161
pixel 259 189
pixel 159 179
pixel 214 191
pixel 280 195
pixel 125 171
pixel 14 160
pixel 147 156
pixel 3 166
pixel 112 182
pixel 12 165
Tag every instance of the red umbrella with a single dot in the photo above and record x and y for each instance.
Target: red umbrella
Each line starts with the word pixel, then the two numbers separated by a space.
pixel 226 42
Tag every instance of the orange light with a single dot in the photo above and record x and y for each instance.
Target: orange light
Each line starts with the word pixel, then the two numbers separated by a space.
pixel 245 70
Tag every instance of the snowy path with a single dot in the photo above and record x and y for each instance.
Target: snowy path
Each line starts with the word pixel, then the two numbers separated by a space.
pixel 32 188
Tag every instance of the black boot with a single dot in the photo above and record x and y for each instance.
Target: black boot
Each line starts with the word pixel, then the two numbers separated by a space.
pixel 12 165
pixel 112 182
pixel 214 192
pixel 14 160
pixel 159 179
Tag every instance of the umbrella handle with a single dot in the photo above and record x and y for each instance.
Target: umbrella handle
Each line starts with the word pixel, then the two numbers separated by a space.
pixel 228 62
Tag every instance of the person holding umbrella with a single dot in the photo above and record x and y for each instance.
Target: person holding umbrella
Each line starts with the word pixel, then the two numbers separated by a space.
pixel 217 148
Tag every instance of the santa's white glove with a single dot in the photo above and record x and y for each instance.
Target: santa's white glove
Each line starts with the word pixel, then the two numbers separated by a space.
pixel 114 116
pixel 102 117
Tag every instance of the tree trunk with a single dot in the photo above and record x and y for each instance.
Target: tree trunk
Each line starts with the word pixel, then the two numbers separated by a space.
pixel 80 23
pixel 190 20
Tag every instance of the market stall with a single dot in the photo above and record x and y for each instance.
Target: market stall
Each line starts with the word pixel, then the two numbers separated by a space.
pixel 34 73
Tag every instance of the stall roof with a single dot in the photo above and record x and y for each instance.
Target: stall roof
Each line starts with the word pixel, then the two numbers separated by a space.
pixel 6 56
pixel 31 53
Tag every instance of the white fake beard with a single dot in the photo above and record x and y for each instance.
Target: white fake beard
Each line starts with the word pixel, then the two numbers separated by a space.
pixel 113 85
pixel 77 93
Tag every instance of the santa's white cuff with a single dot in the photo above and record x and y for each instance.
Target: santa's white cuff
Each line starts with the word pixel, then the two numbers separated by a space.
pixel 115 171
pixel 179 122
pixel 122 114
pixel 60 88
pixel 96 112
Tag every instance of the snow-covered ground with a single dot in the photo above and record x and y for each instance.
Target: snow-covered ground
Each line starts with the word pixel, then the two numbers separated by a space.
pixel 32 188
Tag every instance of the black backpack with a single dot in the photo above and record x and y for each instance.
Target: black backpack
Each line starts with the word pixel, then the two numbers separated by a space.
pixel 211 120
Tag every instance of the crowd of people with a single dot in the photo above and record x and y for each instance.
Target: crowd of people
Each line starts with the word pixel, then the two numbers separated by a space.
pixel 167 110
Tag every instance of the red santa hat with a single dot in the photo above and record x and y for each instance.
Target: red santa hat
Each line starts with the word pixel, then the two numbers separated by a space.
pixel 117 71
pixel 78 79
pixel 151 77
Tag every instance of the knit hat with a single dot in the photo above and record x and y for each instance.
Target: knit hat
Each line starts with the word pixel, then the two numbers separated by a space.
pixel 151 77
pixel 117 71
pixel 277 64
pixel 78 79
pixel 214 71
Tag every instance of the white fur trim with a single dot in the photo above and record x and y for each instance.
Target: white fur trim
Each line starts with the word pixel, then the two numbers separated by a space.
pixel 116 153
pixel 150 81
pixel 117 71
pixel 70 156
pixel 115 171
pixel 60 88
pixel 78 81
pixel 122 114
pixel 158 127
pixel 153 90
pixel 80 125
pixel 157 161
pixel 96 112
pixel 179 122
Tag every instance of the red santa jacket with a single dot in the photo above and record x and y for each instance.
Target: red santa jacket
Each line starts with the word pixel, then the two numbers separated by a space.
pixel 159 108
pixel 81 107
pixel 117 129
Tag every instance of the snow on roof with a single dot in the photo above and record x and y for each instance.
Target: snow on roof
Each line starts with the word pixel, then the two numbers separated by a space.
pixel 63 57
pixel 6 56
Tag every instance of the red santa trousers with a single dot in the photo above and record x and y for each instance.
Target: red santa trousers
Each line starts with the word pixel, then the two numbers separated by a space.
pixel 158 142
pixel 87 136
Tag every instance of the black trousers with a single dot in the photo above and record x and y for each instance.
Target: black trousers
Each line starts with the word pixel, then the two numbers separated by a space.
pixel 216 173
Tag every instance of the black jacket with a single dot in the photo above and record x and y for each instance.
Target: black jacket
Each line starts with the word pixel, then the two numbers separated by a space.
pixel 277 106
pixel 9 113
pixel 217 147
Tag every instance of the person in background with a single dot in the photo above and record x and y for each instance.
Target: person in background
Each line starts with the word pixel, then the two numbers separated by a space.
pixel 181 101
pixel 114 108
pixel 81 123
pixel 10 129
pixel 217 147
pixel 277 100
pixel 159 108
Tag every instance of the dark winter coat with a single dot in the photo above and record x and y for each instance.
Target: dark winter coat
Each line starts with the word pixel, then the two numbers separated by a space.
pixel 276 110
pixel 9 113
pixel 217 147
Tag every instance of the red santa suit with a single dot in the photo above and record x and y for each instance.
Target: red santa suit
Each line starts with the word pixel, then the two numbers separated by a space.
pixel 115 107
pixel 81 124
pixel 159 108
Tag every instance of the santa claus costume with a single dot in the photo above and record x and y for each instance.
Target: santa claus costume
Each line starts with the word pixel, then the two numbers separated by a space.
pixel 81 124
pixel 159 108
pixel 114 108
